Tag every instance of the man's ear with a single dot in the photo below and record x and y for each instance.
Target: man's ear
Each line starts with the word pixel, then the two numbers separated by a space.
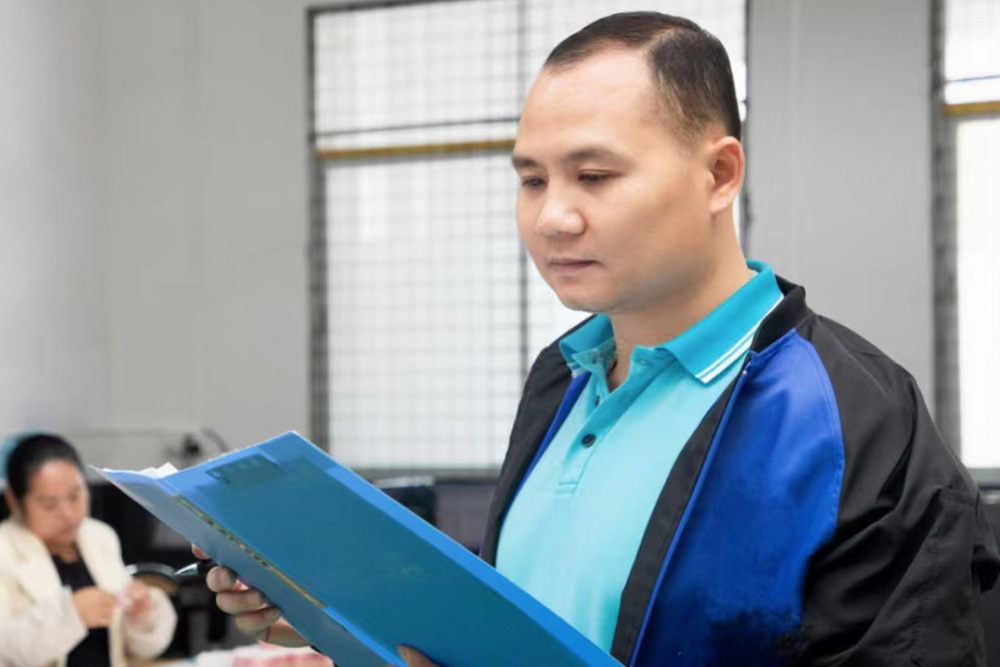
pixel 726 163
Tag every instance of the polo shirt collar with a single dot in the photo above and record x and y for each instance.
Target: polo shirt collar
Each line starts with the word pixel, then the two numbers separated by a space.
pixel 706 349
pixel 589 346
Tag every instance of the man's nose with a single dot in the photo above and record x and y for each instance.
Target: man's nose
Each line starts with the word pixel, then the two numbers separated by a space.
pixel 559 215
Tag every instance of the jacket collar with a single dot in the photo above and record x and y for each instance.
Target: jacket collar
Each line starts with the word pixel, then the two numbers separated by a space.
pixel 791 313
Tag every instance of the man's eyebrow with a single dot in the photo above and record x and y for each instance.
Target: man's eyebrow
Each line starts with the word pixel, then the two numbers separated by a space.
pixel 594 153
pixel 522 161
pixel 580 155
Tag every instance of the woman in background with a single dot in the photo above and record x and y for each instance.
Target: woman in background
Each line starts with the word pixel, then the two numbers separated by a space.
pixel 65 571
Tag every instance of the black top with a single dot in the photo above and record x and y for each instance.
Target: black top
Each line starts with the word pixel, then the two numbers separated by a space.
pixel 94 650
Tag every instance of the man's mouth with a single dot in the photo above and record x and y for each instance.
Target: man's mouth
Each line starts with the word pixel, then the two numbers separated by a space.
pixel 569 263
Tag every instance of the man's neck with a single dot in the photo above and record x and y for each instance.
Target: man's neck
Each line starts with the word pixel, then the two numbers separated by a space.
pixel 673 315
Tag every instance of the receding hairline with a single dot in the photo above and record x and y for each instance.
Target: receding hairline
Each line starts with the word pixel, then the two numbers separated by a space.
pixel 559 60
pixel 664 106
pixel 688 65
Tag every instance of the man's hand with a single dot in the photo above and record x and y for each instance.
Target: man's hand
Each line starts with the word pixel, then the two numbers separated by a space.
pixel 254 614
pixel 414 658
pixel 94 606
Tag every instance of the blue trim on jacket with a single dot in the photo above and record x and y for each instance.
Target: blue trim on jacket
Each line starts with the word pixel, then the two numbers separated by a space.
pixel 772 477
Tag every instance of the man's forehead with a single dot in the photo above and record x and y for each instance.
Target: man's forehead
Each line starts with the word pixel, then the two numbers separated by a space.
pixel 601 58
pixel 609 84
pixel 604 112
pixel 622 69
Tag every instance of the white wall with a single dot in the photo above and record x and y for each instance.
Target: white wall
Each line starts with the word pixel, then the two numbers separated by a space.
pixel 150 159
pixel 206 213
pixel 53 327
pixel 840 163
pixel 254 206
pixel 153 210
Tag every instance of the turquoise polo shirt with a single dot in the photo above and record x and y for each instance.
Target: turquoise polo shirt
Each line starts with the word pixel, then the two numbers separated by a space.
pixel 573 531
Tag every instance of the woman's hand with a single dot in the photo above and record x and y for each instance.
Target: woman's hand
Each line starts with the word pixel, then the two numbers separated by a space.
pixel 254 614
pixel 138 600
pixel 94 606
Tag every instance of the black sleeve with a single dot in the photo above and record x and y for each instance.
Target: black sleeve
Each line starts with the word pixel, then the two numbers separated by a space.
pixel 899 582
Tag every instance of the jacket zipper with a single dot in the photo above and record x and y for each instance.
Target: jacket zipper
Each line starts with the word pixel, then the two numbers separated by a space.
pixel 695 493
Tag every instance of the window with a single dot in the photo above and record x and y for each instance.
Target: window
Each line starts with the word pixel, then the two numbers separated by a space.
pixel 427 312
pixel 977 156
pixel 968 231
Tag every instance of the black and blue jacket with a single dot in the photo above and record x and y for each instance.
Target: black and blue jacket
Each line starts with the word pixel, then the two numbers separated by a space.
pixel 814 517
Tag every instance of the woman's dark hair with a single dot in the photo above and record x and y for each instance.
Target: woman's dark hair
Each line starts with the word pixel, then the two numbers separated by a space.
pixel 31 453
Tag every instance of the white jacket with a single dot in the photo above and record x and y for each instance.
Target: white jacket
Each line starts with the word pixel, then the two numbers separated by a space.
pixel 39 625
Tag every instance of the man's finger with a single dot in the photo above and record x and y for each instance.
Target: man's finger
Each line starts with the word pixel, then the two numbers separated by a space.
pixel 414 658
pixel 220 579
pixel 255 622
pixel 282 634
pixel 199 553
pixel 238 602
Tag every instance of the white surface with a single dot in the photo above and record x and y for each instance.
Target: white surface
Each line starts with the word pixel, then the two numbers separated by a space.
pixel 153 209
pixel 206 214
pixel 53 326
pixel 978 154
pixel 155 473
pixel 972 44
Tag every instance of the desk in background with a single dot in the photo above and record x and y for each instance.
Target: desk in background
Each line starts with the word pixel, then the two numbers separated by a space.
pixel 260 655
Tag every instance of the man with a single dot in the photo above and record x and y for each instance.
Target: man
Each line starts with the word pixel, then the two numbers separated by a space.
pixel 706 472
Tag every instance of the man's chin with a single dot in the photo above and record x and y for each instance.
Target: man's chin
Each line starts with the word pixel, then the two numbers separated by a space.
pixel 584 304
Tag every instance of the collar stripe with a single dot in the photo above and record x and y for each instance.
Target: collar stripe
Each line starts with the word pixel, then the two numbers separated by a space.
pixel 737 350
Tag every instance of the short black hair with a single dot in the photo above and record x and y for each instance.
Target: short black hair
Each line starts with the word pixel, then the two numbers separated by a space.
pixel 688 64
pixel 31 453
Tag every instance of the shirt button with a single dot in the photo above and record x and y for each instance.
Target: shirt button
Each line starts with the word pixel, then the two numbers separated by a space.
pixel 588 440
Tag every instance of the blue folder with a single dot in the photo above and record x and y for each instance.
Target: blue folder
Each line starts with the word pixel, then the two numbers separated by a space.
pixel 356 573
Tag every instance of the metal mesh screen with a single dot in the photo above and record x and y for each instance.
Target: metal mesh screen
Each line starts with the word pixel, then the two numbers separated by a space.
pixel 425 291
pixel 967 227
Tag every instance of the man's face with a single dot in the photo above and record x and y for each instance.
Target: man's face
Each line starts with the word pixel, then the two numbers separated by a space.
pixel 612 207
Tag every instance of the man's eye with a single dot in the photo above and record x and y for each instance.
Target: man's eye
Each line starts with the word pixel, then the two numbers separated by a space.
pixel 532 182
pixel 593 177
